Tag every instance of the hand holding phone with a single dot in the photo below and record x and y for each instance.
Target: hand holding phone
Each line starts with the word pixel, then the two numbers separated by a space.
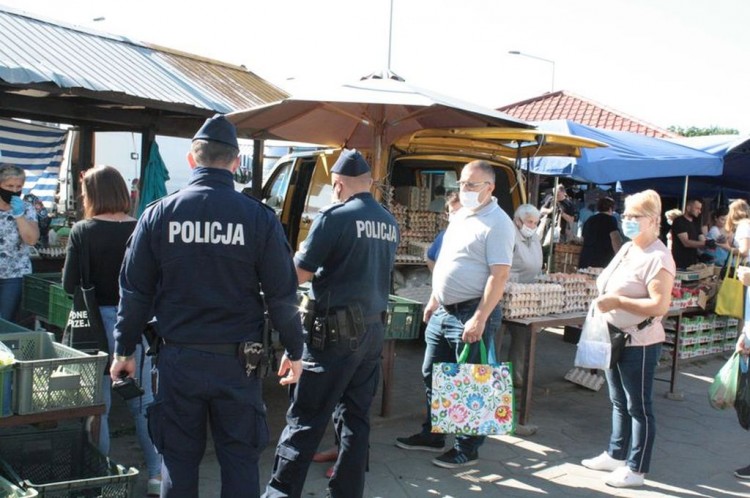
pixel 128 388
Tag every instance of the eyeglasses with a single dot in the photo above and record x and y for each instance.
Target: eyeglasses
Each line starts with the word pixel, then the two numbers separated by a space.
pixel 633 216
pixel 471 185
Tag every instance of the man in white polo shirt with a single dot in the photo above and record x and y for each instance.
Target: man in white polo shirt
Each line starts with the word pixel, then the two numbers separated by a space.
pixel 467 285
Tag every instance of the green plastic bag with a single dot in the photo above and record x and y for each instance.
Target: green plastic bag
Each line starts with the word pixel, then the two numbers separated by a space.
pixel 723 390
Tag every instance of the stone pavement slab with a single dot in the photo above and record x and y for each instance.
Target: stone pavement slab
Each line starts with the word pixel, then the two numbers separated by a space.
pixel 696 450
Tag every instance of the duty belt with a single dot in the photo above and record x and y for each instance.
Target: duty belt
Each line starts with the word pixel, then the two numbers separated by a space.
pixel 225 348
pixel 456 307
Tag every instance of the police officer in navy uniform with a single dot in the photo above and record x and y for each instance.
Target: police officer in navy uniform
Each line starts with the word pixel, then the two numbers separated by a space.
pixel 197 261
pixel 348 254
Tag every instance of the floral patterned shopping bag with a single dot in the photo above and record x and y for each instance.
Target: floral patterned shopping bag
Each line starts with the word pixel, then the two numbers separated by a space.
pixel 472 399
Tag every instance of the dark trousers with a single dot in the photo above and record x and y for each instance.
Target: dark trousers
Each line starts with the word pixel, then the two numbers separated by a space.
pixel 340 381
pixel 195 389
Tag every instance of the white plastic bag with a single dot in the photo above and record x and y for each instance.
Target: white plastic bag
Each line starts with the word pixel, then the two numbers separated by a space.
pixel 594 348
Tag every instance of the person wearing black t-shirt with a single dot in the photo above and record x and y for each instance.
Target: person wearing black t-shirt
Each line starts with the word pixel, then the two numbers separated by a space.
pixel 601 236
pixel 687 236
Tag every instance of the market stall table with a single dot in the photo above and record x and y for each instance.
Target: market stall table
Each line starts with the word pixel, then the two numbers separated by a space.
pixel 534 325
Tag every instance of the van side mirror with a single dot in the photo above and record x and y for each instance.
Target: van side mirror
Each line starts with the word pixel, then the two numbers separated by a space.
pixel 243 175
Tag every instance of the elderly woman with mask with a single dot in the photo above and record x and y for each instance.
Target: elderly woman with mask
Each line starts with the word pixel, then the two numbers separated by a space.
pixel 18 231
pixel 527 264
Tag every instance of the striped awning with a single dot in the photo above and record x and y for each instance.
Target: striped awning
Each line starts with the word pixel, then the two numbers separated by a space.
pixel 39 151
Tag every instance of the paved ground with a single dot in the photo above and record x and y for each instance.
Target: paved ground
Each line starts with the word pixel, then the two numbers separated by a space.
pixel 697 447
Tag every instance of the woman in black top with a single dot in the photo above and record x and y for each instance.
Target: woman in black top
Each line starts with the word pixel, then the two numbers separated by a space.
pixel 106 227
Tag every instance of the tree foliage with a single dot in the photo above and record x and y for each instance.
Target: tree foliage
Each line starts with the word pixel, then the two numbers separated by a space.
pixel 695 131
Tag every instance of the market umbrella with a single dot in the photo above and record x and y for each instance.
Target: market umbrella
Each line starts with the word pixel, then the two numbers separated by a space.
pixel 734 180
pixel 369 114
pixel 154 183
pixel 629 157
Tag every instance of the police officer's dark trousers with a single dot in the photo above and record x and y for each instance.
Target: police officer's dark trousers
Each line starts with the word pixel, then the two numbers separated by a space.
pixel 197 388
pixel 342 381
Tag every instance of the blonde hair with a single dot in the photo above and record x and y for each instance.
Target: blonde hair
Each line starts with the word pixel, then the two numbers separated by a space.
pixel 672 214
pixel 648 203
pixel 738 210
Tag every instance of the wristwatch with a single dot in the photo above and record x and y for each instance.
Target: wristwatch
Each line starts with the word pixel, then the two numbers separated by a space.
pixel 123 358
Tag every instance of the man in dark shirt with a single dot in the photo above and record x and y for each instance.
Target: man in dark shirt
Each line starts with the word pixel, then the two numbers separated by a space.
pixel 687 236
pixel 601 237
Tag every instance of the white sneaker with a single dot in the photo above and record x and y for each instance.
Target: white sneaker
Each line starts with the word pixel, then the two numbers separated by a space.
pixel 602 462
pixel 624 477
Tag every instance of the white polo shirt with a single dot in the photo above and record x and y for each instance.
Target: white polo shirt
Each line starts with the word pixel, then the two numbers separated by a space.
pixel 473 242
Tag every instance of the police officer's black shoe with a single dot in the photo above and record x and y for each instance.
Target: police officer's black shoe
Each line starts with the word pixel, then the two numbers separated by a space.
pixel 419 441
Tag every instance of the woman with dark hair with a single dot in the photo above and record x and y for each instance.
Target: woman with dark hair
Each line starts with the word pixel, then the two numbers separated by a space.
pixel 18 231
pixel 718 233
pixel 106 228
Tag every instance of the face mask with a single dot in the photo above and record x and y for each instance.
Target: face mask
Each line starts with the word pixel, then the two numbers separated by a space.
pixel 631 228
pixel 6 195
pixel 527 231
pixel 469 200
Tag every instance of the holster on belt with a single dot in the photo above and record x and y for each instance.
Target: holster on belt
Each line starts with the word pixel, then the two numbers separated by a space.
pixel 345 323
pixel 153 340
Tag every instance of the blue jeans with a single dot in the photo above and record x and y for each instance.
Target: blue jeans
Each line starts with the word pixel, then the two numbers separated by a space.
pixel 443 344
pixel 10 297
pixel 137 406
pixel 631 385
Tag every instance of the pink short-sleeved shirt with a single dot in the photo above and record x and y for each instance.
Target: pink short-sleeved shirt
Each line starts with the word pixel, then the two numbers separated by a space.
pixel 628 274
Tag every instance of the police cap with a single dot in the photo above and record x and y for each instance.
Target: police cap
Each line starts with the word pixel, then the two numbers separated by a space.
pixel 350 163
pixel 218 129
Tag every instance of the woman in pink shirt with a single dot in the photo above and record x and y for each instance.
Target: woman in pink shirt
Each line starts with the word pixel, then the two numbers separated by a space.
pixel 634 288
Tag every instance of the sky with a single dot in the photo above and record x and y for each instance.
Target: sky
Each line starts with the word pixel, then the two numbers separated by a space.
pixel 666 62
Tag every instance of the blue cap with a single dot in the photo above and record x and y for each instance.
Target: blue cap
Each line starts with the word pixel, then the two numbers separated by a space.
pixel 350 163
pixel 218 129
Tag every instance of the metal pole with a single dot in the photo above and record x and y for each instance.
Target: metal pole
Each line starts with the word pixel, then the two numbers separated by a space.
pixel 684 194
pixel 552 226
pixel 390 35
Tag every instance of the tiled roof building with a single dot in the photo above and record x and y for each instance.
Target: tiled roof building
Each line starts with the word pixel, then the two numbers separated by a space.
pixel 566 105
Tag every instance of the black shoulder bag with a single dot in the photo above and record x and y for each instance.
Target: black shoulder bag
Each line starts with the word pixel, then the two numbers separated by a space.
pixel 85 328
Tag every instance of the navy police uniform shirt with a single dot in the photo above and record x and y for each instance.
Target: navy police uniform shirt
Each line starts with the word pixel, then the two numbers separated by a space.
pixel 351 249
pixel 198 260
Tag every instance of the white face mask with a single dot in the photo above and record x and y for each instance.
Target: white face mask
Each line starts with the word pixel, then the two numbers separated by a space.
pixel 469 200
pixel 527 231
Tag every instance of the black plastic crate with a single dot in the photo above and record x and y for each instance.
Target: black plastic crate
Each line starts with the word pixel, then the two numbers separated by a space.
pixel 63 464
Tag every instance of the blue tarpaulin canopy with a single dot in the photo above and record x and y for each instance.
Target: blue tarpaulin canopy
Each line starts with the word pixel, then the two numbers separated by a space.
pixel 154 185
pixel 734 180
pixel 629 157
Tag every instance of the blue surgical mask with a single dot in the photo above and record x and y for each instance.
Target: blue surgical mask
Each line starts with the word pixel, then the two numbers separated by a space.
pixel 631 228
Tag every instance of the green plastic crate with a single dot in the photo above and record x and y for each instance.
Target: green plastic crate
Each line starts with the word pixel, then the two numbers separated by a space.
pixel 63 464
pixel 10 490
pixel 404 318
pixel 35 298
pixel 60 303
pixel 51 376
